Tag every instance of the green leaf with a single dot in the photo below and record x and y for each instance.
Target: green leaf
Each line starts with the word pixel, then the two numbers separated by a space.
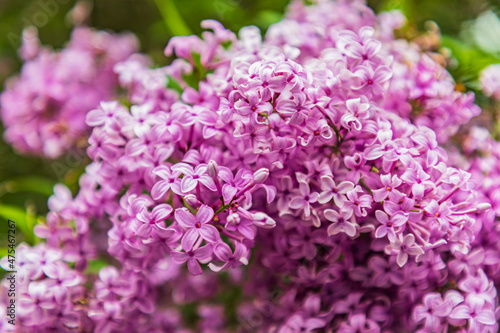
pixel 405 6
pixel 191 80
pixel 96 265
pixel 485 31
pixel 197 60
pixel 28 184
pixel 471 60
pixel 23 218
pixel 266 18
pixel 172 18
pixel 174 85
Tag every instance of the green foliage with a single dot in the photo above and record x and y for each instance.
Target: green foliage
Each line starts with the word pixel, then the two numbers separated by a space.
pixel 470 60
pixel 27 183
pixel 25 221
pixel 95 266
pixel 173 20
pixel 173 84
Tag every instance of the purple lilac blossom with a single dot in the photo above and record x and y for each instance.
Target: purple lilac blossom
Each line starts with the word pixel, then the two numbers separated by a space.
pixel 44 108
pixel 306 164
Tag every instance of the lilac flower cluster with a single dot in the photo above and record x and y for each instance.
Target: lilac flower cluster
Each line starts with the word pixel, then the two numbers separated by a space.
pixel 43 110
pixel 307 165
pixel 490 84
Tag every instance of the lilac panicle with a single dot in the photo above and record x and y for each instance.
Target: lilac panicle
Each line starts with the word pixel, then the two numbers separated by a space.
pixel 308 164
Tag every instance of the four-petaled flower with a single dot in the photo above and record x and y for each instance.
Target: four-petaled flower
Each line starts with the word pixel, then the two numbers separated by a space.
pixel 432 311
pixel 476 314
pixel 340 223
pixel 197 226
pixel 304 199
pixel 193 177
pixel 388 225
pixel 404 246
pixel 170 181
pixel 152 222
pixel 202 254
pixel 331 190
pixel 389 186
pixel 224 253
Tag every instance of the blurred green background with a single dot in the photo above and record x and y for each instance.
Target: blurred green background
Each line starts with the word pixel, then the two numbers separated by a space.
pixel 26 182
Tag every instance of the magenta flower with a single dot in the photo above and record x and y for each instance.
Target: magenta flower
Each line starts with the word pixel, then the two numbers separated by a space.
pixel 356 112
pixel 233 183
pixel 224 253
pixel 54 230
pixel 439 213
pixel 61 280
pixel 306 241
pixel 475 314
pixel 193 176
pixel 142 120
pixel 388 225
pixel 235 222
pixel 263 220
pixel 370 81
pixel 36 301
pixel 361 46
pixel 357 166
pixel 432 311
pixel 196 226
pixel 418 178
pixel 108 317
pixel 107 115
pixel 170 181
pixel 478 288
pixel 356 203
pixel 331 190
pixel 327 125
pixel 104 145
pixel 298 323
pixel 153 222
pixel 389 186
pixel 254 106
pixel 359 323
pixel 385 274
pixel 304 199
pixel 111 283
pixel 202 254
pixel 464 262
pixel 403 247
pixel 340 223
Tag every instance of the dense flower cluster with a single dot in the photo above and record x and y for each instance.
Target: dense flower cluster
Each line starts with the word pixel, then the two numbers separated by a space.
pixel 43 110
pixel 312 157
pixel 490 82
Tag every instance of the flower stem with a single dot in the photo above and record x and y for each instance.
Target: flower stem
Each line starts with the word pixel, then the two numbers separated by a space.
pixel 363 184
pixel 172 18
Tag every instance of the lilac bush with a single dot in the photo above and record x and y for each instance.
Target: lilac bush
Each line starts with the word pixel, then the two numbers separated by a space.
pixel 44 108
pixel 300 182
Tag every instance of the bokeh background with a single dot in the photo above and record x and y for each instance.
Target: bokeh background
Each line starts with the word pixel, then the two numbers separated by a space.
pixel 469 35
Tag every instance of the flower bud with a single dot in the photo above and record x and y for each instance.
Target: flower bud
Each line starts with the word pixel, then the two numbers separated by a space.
pixel 233 219
pixel 191 199
pixel 482 207
pixel 263 220
pixel 260 175
pixel 213 169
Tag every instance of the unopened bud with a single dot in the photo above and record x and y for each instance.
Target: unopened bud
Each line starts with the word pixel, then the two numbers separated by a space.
pixel 191 199
pixel 263 220
pixel 213 169
pixel 233 219
pixel 482 207
pixel 260 175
